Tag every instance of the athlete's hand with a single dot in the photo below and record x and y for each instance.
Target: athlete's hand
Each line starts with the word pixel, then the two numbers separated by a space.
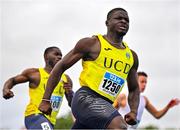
pixel 45 107
pixel 130 118
pixel 7 93
pixel 67 87
pixel 173 102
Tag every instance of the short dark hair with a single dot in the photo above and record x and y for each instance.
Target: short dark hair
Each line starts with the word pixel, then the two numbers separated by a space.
pixel 114 10
pixel 47 50
pixel 141 73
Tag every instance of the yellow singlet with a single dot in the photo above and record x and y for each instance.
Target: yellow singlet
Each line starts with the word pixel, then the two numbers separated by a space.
pixel 107 74
pixel 37 93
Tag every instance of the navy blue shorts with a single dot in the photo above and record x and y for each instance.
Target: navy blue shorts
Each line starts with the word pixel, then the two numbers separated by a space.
pixel 38 121
pixel 91 110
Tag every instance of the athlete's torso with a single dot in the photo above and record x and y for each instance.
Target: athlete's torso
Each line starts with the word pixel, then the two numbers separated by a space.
pixel 36 94
pixel 106 74
pixel 141 107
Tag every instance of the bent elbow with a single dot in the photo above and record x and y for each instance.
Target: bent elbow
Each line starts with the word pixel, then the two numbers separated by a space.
pixel 157 116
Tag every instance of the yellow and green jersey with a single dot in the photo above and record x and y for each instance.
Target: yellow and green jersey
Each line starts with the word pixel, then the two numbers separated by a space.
pixel 107 74
pixel 36 95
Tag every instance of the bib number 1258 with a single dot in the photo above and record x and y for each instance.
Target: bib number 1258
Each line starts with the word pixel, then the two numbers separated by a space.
pixel 111 84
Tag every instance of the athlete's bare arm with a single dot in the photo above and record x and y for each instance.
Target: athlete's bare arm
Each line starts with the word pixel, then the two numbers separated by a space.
pixel 116 103
pixel 68 89
pixel 86 49
pixel 133 97
pixel 28 75
pixel 159 113
pixel 68 85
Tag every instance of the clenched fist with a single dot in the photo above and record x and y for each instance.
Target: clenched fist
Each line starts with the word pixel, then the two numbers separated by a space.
pixel 7 93
pixel 130 118
pixel 45 107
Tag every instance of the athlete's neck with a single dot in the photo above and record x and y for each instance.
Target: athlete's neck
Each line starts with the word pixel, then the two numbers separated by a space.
pixel 48 69
pixel 115 40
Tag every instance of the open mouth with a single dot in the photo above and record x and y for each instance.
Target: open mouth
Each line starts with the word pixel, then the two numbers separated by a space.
pixel 122 27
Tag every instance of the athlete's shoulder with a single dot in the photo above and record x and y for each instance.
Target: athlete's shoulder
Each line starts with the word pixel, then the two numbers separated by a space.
pixel 30 71
pixel 146 99
pixel 88 41
pixel 134 53
pixel 135 57
pixel 86 44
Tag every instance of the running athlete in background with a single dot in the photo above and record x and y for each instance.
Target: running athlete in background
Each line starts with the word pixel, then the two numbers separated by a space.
pixel 37 78
pixel 107 63
pixel 123 108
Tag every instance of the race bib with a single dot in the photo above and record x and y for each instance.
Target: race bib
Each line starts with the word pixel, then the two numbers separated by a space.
pixel 45 126
pixel 56 102
pixel 111 84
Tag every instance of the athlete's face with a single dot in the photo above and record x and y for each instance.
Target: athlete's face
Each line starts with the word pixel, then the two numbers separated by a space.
pixel 142 81
pixel 118 22
pixel 54 56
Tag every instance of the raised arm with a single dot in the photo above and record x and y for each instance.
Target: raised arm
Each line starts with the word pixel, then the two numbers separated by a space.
pixel 159 113
pixel 68 60
pixel 133 97
pixel 80 51
pixel 11 82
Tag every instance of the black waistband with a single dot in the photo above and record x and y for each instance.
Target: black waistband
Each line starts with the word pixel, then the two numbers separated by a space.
pixel 95 93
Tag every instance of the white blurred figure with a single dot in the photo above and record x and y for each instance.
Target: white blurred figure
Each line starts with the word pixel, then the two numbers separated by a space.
pixel 122 105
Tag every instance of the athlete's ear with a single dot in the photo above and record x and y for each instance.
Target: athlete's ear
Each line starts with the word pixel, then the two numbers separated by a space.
pixel 45 57
pixel 107 23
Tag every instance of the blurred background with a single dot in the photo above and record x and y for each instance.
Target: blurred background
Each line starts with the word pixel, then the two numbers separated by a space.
pixel 29 26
